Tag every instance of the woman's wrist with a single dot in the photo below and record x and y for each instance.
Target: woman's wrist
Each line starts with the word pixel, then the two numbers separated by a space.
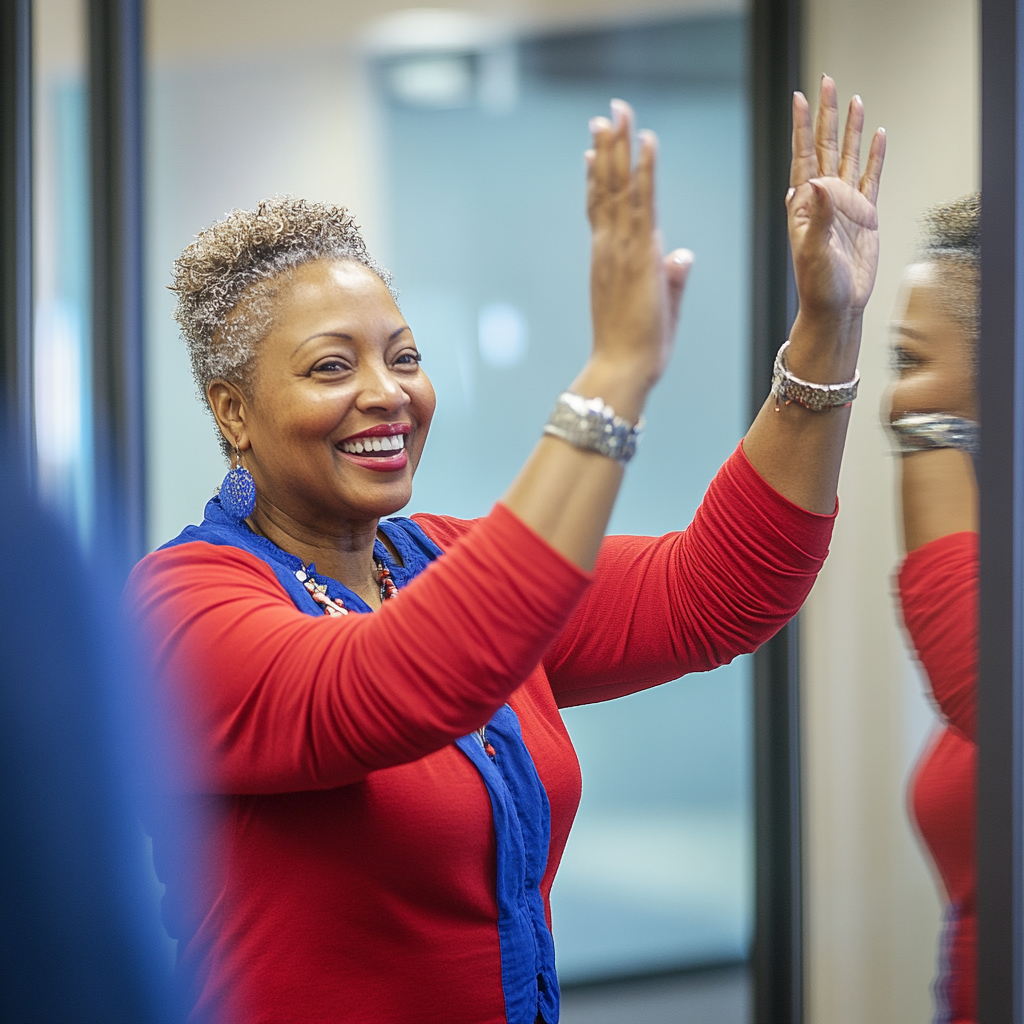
pixel 622 384
pixel 823 347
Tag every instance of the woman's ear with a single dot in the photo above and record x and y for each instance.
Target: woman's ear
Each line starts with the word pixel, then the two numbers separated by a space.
pixel 229 409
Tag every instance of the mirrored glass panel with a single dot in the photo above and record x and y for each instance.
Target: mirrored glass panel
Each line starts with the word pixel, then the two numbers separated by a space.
pixel 457 140
pixel 881 930
pixel 490 248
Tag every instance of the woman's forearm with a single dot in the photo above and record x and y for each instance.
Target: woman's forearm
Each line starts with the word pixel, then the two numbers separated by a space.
pixel 565 494
pixel 940 495
pixel 797 451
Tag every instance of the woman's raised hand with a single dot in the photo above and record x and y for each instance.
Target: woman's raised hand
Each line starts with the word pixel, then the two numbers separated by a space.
pixel 565 493
pixel 635 291
pixel 833 232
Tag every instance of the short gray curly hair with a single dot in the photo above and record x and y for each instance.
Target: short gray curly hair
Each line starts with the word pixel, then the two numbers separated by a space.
pixel 952 238
pixel 224 279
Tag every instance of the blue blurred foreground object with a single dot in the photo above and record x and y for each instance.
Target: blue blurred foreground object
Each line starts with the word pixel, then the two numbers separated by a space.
pixel 80 940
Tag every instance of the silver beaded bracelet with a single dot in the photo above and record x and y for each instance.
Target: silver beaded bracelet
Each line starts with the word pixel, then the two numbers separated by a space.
pixel 590 424
pixel 817 397
pixel 921 431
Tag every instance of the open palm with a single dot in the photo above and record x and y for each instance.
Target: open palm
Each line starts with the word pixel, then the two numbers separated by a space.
pixel 833 220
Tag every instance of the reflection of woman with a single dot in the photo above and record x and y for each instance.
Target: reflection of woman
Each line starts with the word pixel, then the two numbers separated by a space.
pixel 934 413
pixel 398 787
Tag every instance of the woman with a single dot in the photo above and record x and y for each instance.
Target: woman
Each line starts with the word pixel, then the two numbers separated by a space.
pixel 934 416
pixel 391 792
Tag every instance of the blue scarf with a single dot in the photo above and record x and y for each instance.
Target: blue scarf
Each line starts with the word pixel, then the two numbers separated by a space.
pixel 519 804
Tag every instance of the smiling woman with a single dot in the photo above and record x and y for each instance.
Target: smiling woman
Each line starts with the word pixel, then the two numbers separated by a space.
pixel 337 360
pixel 396 789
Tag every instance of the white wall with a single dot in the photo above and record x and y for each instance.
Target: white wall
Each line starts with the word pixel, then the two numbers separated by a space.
pixel 872 911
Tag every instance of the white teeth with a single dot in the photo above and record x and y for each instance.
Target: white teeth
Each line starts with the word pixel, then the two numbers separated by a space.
pixel 392 443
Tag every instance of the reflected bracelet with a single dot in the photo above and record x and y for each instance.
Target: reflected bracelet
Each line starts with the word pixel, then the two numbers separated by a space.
pixel 921 431
pixel 817 397
pixel 590 424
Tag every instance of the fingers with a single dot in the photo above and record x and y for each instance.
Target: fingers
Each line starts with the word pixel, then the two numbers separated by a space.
pixel 677 270
pixel 873 172
pixel 805 163
pixel 598 172
pixel 621 155
pixel 615 190
pixel 588 159
pixel 849 168
pixel 826 130
pixel 819 211
pixel 643 191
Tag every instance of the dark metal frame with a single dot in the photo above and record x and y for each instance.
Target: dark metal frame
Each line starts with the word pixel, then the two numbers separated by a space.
pixel 16 226
pixel 115 112
pixel 1000 815
pixel 777 956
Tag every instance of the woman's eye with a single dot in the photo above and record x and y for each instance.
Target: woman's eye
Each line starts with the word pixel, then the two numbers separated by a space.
pixel 408 359
pixel 329 366
pixel 903 359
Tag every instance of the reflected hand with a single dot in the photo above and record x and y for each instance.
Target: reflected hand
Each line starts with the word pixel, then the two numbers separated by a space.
pixel 635 290
pixel 833 220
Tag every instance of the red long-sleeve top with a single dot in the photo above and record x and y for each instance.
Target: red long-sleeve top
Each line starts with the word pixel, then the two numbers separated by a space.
pixel 939 590
pixel 355 871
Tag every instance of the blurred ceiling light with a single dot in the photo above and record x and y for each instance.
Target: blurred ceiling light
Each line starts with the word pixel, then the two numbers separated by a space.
pixel 435 82
pixel 420 30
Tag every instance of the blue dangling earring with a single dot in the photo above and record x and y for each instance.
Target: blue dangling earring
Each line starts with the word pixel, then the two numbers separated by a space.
pixel 238 491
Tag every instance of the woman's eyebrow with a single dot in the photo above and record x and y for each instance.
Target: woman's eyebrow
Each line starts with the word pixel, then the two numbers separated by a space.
pixel 908 332
pixel 323 334
pixel 342 334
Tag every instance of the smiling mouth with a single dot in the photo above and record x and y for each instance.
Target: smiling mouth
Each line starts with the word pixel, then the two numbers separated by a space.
pixel 375 447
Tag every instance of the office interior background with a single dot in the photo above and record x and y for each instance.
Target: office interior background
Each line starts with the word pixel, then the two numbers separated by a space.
pixel 456 135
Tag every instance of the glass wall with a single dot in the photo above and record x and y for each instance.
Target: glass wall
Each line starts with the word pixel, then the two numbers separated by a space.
pixel 490 252
pixel 458 144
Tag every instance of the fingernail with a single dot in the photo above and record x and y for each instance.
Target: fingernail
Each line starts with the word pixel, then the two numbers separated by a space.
pixel 856 96
pixel 618 112
pixel 881 131
pixel 683 257
pixel 595 125
pixel 790 194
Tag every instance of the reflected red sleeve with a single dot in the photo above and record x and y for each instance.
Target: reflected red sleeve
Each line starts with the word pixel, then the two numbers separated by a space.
pixel 688 602
pixel 938 586
pixel 273 700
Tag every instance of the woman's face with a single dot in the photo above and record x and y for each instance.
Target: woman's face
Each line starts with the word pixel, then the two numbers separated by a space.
pixel 338 409
pixel 933 353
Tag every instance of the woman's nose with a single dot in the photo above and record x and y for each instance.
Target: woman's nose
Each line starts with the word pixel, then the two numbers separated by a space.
pixel 379 389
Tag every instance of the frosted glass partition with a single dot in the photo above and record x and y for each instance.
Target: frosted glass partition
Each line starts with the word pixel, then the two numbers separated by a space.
pixel 489 245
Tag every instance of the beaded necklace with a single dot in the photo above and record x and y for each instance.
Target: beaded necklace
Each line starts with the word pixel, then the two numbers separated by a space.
pixel 318 591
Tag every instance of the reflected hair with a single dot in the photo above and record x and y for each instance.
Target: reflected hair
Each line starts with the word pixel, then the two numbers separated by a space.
pixel 227 279
pixel 951 237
